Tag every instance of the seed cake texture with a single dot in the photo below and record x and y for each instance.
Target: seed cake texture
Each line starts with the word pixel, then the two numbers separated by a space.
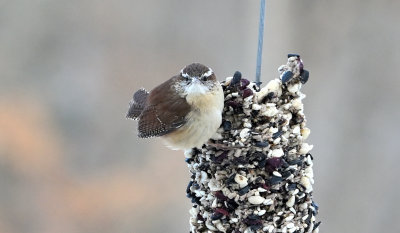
pixel 257 174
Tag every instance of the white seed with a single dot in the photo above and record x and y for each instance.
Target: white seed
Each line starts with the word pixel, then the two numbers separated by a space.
pixel 277 153
pixel 305 181
pixel 261 212
pixel 297 104
pixel 289 218
pixel 247 125
pixel 210 226
pixel 290 225
pixel 290 202
pixel 268 201
pixel 241 180
pixel 256 107
pixel 203 177
pixel 214 203
pixel 274 86
pixel 273 130
pixel 256 200
pixel 214 185
pixel 309 172
pixel 261 190
pixel 220 227
pixel 305 132
pixel 293 88
pixel 275 173
pixel 270 111
pixel 296 129
pixel 305 148
pixel 238 152
pixel 244 133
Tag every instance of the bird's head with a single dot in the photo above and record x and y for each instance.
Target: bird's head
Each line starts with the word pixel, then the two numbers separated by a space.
pixel 197 79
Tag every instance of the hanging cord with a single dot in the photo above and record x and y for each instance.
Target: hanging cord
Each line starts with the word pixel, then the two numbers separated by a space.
pixel 260 42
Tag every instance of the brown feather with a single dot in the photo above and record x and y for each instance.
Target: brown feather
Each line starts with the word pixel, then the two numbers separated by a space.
pixel 164 111
pixel 137 104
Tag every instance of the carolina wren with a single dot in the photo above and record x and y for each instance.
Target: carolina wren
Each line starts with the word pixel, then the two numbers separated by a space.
pixel 185 110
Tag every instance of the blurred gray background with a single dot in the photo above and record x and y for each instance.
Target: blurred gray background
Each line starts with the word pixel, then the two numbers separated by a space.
pixel 71 162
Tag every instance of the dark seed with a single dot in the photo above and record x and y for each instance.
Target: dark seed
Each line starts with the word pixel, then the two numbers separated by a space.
pixel 247 92
pixel 196 200
pixel 293 55
pixel 262 163
pixel 204 166
pixel 219 195
pixel 188 160
pixel 274 162
pixel 244 83
pixel 240 160
pixel 227 125
pixel 233 104
pixel 199 217
pixel 298 119
pixel 287 76
pixel 304 76
pixel 231 179
pixel 253 217
pixel 188 187
pixel 222 211
pixel 317 225
pixel 270 95
pixel 262 144
pixel 244 190
pixel 219 159
pixel 275 180
pixel 316 207
pixel 291 187
pixel 231 205
pixel 264 186
pixel 301 66
pixel 282 121
pixel 252 220
pixel 216 216
pixel 277 134
pixel 256 226
pixel 286 174
pixel 308 220
pixel 297 162
pixel 236 78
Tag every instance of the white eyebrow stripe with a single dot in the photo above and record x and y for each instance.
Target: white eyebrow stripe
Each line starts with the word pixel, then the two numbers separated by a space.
pixel 185 75
pixel 208 73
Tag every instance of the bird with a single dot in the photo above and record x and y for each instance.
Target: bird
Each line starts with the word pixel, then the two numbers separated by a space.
pixel 186 110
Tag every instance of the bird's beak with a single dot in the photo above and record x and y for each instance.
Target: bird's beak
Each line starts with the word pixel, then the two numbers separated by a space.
pixel 195 80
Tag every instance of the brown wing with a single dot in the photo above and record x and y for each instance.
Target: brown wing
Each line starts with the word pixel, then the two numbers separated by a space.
pixel 165 111
pixel 137 104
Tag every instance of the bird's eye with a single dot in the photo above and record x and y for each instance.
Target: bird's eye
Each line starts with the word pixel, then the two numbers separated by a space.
pixel 204 78
pixel 185 76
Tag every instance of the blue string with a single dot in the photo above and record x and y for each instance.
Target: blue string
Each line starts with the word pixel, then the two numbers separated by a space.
pixel 260 42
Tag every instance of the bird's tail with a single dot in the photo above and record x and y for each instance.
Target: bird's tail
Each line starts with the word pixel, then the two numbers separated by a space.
pixel 137 104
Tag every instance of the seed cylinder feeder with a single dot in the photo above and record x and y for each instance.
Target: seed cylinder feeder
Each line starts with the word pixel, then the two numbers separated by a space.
pixel 257 174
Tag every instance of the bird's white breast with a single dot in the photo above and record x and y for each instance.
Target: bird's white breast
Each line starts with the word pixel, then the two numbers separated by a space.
pixel 203 120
